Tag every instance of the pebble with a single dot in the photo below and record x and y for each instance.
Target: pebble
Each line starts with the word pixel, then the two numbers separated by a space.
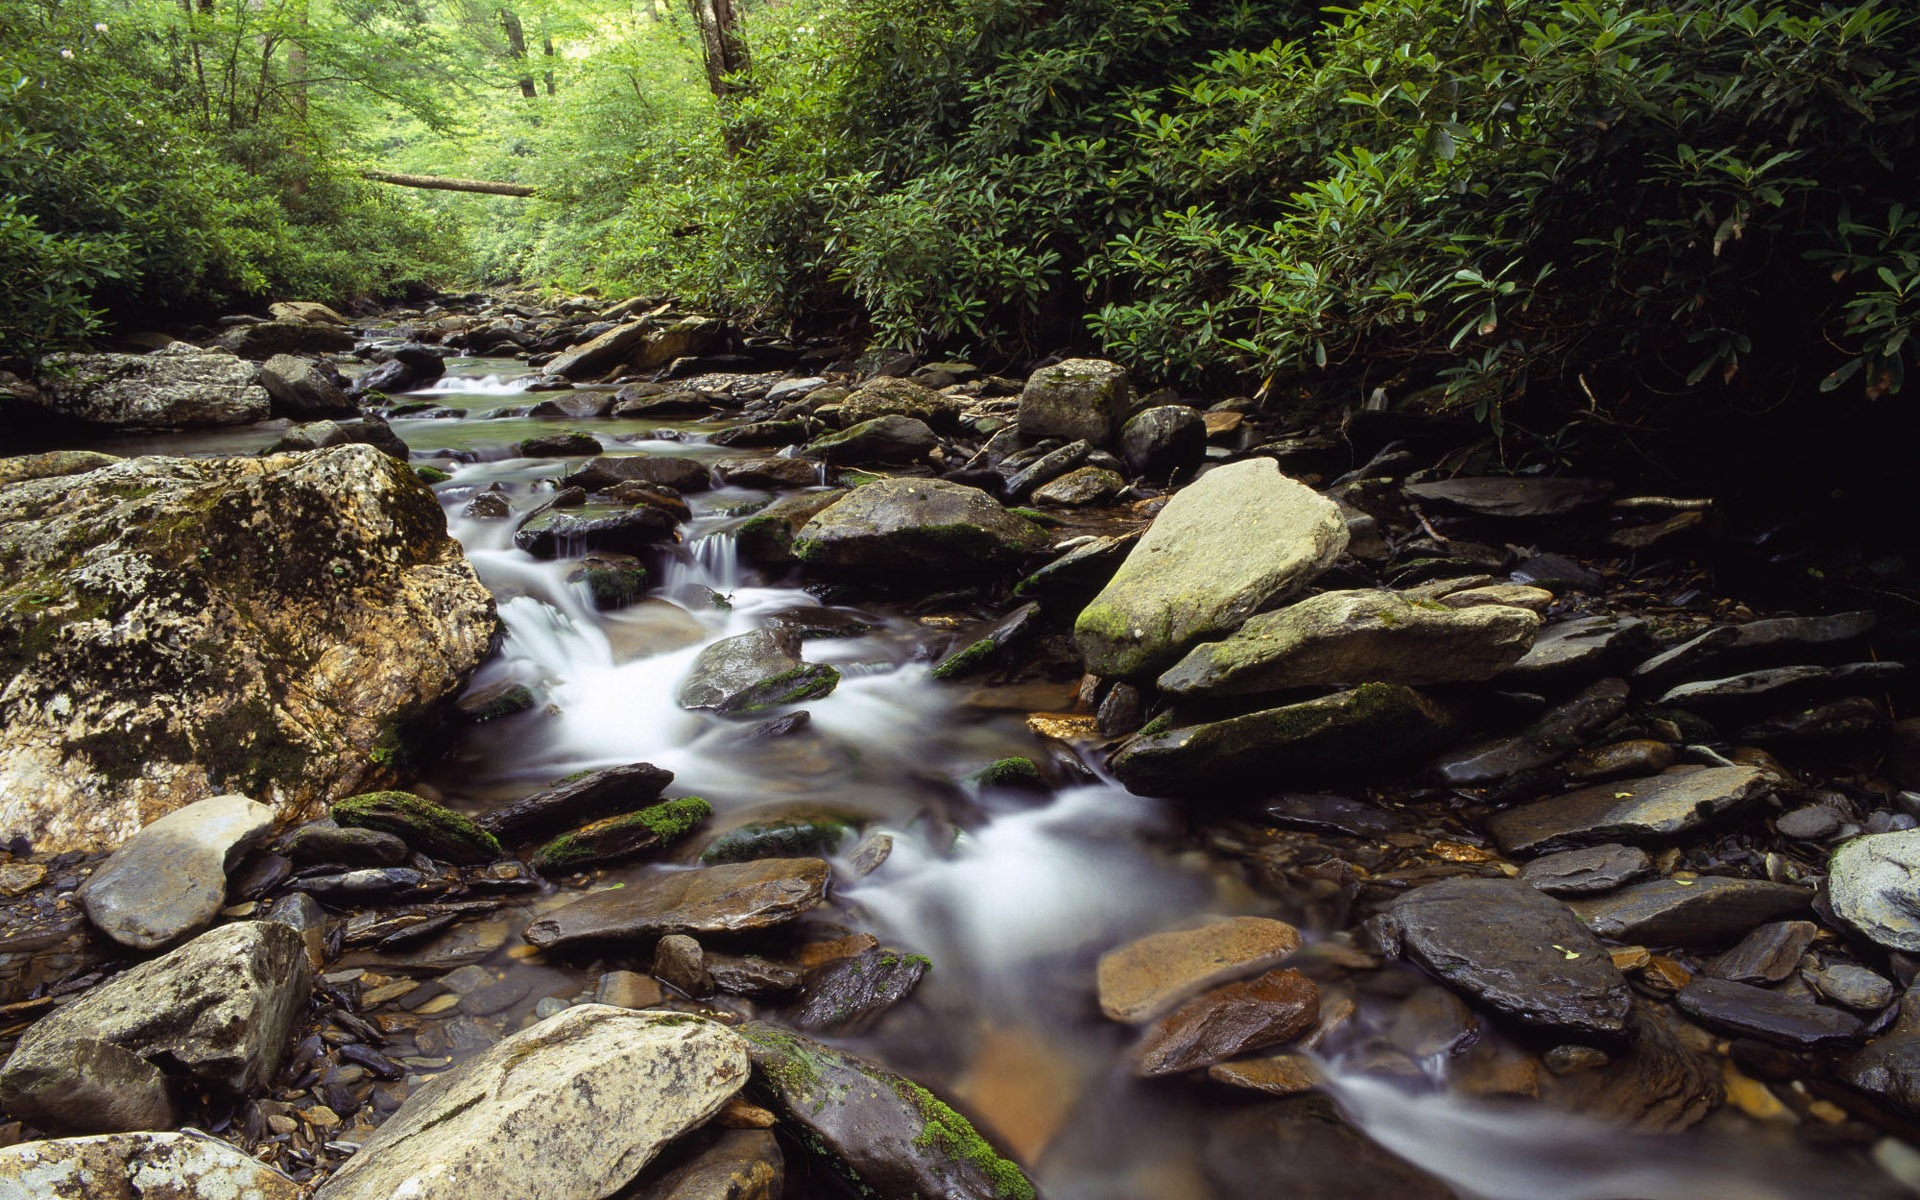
pixel 17 878
pixel 628 989
pixel 1853 987
pixel 1812 823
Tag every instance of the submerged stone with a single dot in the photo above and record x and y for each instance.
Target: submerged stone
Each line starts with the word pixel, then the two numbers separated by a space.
pixel 1228 1021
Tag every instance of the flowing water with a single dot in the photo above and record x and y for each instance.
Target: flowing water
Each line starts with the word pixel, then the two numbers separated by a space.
pixel 1012 896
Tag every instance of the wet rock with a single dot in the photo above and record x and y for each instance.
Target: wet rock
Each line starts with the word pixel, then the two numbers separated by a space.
pixel 638 346
pixel 138 1166
pixel 569 1109
pixel 268 338
pixel 846 996
pixel 558 532
pixel 1854 719
pixel 1279 1075
pixel 1305 1142
pixel 917 527
pixel 1338 638
pixel 611 581
pixel 216 1010
pixel 1767 955
pixel 324 435
pixel 53 464
pixel 724 899
pixel 1227 1021
pixel 731 1164
pixel 17 878
pixel 1752 643
pixel 558 445
pixel 1558 733
pixel 303 914
pixel 1238 537
pixel 871 854
pixel 578 798
pixel 1511 496
pixel 180 387
pixel 1776 1017
pixel 876 1129
pixel 767 536
pixel 636 493
pixel 572 407
pixel 368 883
pixel 1582 645
pixel 1690 912
pixel 1078 398
pixel 753 976
pixel 208 626
pixel 1033 472
pixel 1630 810
pixel 1640 756
pixel 398 375
pixel 611 839
pixel 301 388
pixel 1519 952
pixel 1077 574
pixel 750 673
pixel 1145 977
pixel 1711 695
pixel 1011 630
pixel 1516 595
pixel 433 829
pixel 881 440
pixel 764 433
pixel 307 312
pixel 767 473
pixel 1373 723
pixel 1653 1083
pixel 1164 443
pixel 503 699
pixel 627 989
pixel 1871 885
pixel 784 837
pixel 1851 986
pixel 1078 489
pixel 170 879
pixel 892 396
pixel 1587 871
pixel 679 963
pixel 605 471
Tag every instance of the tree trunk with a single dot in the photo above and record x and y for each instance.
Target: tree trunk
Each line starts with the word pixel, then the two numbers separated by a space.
pixel 546 42
pixel 517 50
pixel 445 183
pixel 720 41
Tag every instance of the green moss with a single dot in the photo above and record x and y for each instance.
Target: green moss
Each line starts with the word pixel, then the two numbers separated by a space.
pixel 807 681
pixel 617 837
pixel 674 818
pixel 1159 724
pixel 431 475
pixel 431 828
pixel 951 1134
pixel 778 839
pixel 965 660
pixel 1008 772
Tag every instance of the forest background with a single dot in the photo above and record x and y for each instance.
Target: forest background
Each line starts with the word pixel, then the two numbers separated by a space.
pixel 1612 204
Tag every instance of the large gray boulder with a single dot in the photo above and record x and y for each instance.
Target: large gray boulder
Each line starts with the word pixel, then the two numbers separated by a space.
pixel 1340 638
pixel 268 338
pixel 1079 398
pixel 173 629
pixel 639 346
pixel 303 389
pixel 217 1011
pixel 138 1166
pixel 1236 538
pixel 569 1109
pixel 170 879
pixel 752 672
pixel 1873 884
pixel 928 526
pixel 1164 442
pixel 891 396
pixel 885 439
pixel 180 387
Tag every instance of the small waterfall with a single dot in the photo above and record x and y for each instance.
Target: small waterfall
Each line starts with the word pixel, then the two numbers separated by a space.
pixel 467 385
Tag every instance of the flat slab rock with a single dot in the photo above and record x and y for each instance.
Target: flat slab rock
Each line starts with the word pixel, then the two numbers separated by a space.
pixel 179 387
pixel 1272 1009
pixel 1349 637
pixel 1145 977
pixel 723 899
pixel 1706 911
pixel 1873 884
pixel 1587 871
pixel 1224 546
pixel 569 1109
pixel 577 799
pixel 170 879
pixel 1746 1011
pixel 1517 951
pixel 1512 496
pixel 1557 733
pixel 1629 810
pixel 1581 644
pixel 138 1166
pixel 1725 644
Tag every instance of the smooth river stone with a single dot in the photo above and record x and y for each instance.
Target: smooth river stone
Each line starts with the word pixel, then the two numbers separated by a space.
pixel 1873 884
pixel 569 1109
pixel 1745 643
pixel 572 801
pixel 1629 810
pixel 1585 872
pixel 1514 949
pixel 170 879
pixel 724 899
pixel 1785 1020
pixel 1228 1021
pixel 138 1166
pixel 1143 978
pixel 1706 911
pixel 1767 955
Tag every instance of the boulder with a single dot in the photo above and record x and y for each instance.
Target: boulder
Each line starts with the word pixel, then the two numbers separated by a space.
pixel 1341 638
pixel 217 1010
pixel 268 338
pixel 723 899
pixel 181 387
pixel 1369 725
pixel 1235 539
pixel 1519 952
pixel 1746 1011
pixel 768 474
pixel 1871 885
pixel 578 798
pixel 173 629
pixel 891 396
pixel 1164 442
pixel 1630 810
pixel 750 673
pixel 431 829
pixel 879 1131
pixel 1080 488
pixel 917 527
pixel 1078 398
pixel 569 1109
pixel 847 995
pixel 1139 980
pixel 767 536
pixel 321 435
pixel 622 836
pixel 680 474
pixel 306 312
pixel 138 1166
pixel 559 532
pixel 888 439
pixel 170 879
pixel 301 388
pixel 53 464
pixel 638 346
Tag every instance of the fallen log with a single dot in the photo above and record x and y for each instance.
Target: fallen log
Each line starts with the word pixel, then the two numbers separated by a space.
pixel 446 183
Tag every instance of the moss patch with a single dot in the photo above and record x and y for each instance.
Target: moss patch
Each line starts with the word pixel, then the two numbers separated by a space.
pixel 432 829
pixel 1008 773
pixel 951 1134
pixel 627 834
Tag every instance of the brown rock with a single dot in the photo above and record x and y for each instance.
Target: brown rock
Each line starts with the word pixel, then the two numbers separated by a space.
pixel 1281 1075
pixel 1141 979
pixel 725 899
pixel 1275 1008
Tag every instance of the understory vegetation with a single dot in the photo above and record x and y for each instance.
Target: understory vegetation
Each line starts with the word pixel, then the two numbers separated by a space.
pixel 1607 204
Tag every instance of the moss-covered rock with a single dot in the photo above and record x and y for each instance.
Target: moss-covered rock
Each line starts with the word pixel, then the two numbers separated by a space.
pixel 785 837
pixel 890 395
pixel 172 629
pixel 433 829
pixel 889 439
pixel 1078 398
pixel 767 536
pixel 614 838
pixel 1015 773
pixel 752 673
pixel 612 581
pixel 917 527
